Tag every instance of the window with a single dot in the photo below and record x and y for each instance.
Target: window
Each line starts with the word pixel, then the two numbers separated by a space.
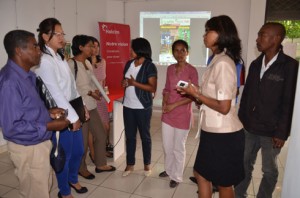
pixel 287 12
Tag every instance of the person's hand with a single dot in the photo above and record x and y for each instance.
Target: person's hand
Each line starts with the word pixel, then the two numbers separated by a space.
pixel 58 124
pixel 131 81
pixel 87 114
pixel 278 143
pixel 56 113
pixel 124 82
pixel 191 90
pixel 97 92
pixel 76 125
pixel 95 95
pixel 168 107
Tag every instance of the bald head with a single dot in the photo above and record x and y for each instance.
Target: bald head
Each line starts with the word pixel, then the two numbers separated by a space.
pixel 277 28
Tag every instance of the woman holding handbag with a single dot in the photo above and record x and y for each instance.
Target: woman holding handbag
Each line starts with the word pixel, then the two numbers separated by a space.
pixel 55 72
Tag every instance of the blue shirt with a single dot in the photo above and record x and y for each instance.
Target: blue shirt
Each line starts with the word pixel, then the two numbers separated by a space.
pixel 23 115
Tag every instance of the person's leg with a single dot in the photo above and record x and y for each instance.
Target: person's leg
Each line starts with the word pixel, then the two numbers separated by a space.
pixel 269 168
pixel 179 154
pixel 204 186
pixel 76 157
pixel 85 136
pixel 226 192
pixel 32 168
pixel 143 117
pixel 66 141
pixel 168 144
pixel 252 146
pixel 98 131
pixel 104 115
pixel 91 147
pixel 130 125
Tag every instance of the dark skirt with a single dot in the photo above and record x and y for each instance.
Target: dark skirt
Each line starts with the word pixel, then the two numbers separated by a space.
pixel 220 157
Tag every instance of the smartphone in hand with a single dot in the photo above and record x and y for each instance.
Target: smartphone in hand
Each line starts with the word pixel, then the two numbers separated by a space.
pixel 182 84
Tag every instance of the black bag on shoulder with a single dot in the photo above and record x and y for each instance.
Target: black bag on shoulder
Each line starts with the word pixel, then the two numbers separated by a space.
pixel 44 93
pixel 77 103
pixel 57 154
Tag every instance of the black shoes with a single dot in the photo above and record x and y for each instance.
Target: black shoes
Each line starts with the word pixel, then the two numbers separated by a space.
pixel 193 179
pixel 163 174
pixel 80 191
pixel 97 170
pixel 173 184
pixel 89 177
pixel 110 147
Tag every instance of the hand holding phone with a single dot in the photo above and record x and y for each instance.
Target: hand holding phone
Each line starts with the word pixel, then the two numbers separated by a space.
pixel 182 84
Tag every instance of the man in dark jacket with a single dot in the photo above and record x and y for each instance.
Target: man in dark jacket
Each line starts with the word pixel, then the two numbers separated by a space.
pixel 266 107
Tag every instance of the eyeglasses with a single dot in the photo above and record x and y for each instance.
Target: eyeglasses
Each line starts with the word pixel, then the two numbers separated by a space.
pixel 58 34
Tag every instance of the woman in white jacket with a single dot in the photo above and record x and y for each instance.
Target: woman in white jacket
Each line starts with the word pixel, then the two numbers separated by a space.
pixel 56 74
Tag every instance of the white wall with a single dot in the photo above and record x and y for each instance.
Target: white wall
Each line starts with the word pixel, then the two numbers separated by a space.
pixel 81 17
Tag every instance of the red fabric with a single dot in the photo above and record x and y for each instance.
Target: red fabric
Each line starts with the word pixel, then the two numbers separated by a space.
pixel 115 49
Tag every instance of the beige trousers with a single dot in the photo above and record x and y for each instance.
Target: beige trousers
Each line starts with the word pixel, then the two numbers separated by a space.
pixel 95 126
pixel 32 167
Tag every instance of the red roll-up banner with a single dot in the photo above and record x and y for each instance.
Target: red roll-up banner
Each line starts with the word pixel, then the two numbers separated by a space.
pixel 115 49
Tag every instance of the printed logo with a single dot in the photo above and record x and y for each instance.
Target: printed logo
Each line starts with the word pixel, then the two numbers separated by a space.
pixel 108 31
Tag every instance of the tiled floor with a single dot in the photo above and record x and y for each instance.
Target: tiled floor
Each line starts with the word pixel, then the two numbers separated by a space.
pixel 136 185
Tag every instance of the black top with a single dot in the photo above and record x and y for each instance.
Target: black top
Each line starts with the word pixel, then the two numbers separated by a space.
pixel 267 104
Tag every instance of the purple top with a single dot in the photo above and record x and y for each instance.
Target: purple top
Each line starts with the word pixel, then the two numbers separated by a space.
pixel 23 115
pixel 180 117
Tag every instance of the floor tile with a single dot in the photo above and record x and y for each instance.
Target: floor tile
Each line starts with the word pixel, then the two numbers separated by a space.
pixel 153 187
pixel 136 185
pixel 125 184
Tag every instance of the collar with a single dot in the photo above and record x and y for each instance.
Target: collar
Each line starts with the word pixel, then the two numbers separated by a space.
pixel 21 72
pixel 270 62
pixel 215 58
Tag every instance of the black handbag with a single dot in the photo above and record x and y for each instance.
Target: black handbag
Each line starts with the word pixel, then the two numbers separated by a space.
pixel 78 106
pixel 57 155
pixel 77 103
pixel 44 93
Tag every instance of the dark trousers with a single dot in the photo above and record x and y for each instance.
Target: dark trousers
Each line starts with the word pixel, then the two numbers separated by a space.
pixel 72 144
pixel 137 119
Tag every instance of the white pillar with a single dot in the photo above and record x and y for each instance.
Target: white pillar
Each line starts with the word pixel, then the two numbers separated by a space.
pixel 291 179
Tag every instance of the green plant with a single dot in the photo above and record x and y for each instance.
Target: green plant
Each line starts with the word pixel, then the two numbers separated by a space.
pixel 292 28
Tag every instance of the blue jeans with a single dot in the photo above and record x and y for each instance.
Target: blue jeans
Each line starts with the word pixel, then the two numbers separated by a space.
pixel 269 165
pixel 137 119
pixel 72 144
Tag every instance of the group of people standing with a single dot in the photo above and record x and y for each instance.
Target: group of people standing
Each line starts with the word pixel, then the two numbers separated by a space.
pixel 229 140
pixel 28 127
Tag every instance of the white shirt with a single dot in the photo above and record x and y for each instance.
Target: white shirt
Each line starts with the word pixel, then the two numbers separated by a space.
pixel 130 99
pixel 264 67
pixel 58 78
